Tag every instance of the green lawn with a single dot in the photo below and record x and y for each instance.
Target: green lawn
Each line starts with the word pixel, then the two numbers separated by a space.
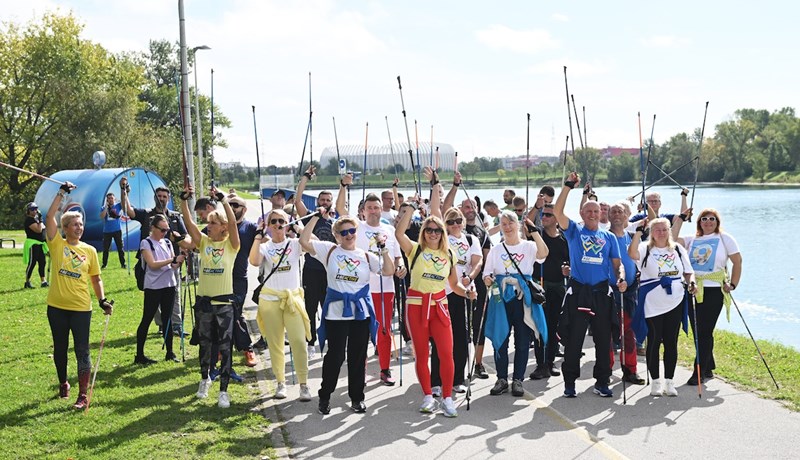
pixel 136 412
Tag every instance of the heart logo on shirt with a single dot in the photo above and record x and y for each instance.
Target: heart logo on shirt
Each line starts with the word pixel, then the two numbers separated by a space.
pixel 346 263
pixel 437 262
pixel 592 243
pixel 216 254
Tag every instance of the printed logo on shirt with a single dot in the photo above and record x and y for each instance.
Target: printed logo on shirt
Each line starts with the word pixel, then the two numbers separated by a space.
pixel 275 256
pixel 509 261
pixel 666 264
pixel 702 254
pixel 347 268
pixel 592 249
pixel 435 262
pixel 71 263
pixel 461 249
pixel 214 255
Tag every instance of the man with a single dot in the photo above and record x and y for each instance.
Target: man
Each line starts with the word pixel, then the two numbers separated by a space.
pixel 278 199
pixel 508 198
pixel 653 200
pixel 112 229
pixel 247 235
pixel 388 213
pixel 493 211
pixel 519 207
pixel 177 235
pixel 594 254
pixel 625 303
pixel 370 232
pixel 546 196
pixel 315 280
pixel 552 274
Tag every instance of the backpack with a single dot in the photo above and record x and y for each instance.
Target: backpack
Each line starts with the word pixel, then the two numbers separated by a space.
pixel 141 266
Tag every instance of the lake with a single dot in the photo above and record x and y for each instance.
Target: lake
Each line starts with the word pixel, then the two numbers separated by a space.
pixel 759 218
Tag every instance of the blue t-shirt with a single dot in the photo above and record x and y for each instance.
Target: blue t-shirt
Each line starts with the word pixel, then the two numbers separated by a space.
pixel 111 222
pixel 630 265
pixel 590 253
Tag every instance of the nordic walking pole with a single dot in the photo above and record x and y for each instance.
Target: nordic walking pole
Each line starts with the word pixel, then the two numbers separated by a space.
pixel 291 361
pixel 468 304
pixel 416 178
pixel 578 123
pixel 364 172
pixel 401 326
pixel 697 349
pixel 527 160
pixel 310 126
pixel 585 136
pixel 569 113
pixel 258 159
pixel 419 163
pixel 32 173
pixel 97 364
pixel 669 174
pixel 754 342
pixel 699 149
pixel 564 172
pixel 338 158
pixel 622 357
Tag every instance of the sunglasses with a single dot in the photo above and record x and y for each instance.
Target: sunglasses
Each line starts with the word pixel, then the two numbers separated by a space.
pixel 547 214
pixel 234 205
pixel 456 221
pixel 434 230
pixel 708 219
pixel 276 221
pixel 163 230
pixel 349 231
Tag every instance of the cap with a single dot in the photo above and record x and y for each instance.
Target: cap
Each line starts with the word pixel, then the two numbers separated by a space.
pixel 279 192
pixel 31 206
pixel 237 199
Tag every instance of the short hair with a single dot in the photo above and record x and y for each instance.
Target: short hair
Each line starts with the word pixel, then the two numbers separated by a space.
pixel 372 197
pixel 325 192
pixel 548 190
pixel 337 226
pixel 68 217
pixel 453 213
pixel 626 207
pixel 279 212
pixel 489 203
pixel 518 201
pixel 400 196
pixel 218 217
pixel 510 216
pixel 204 202
pixel 109 194
pixel 162 189
pixel 511 191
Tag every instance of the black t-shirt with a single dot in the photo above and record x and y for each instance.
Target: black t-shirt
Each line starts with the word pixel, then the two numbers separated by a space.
pixel 143 216
pixel 559 253
pixel 30 233
pixel 324 231
pixel 483 239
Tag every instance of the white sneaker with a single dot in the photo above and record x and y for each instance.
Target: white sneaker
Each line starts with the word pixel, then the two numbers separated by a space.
pixel 436 392
pixel 224 401
pixel 280 391
pixel 408 350
pixel 428 405
pixel 312 351
pixel 305 393
pixel 202 390
pixel 670 389
pixel 449 408
pixel 656 389
pixel 460 389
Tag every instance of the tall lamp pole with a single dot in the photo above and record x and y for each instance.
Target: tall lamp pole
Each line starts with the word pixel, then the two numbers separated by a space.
pixel 201 188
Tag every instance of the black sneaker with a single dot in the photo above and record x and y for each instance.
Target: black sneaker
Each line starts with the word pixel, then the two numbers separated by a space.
pixel 500 387
pixel 358 407
pixel 693 380
pixel 260 345
pixel 541 372
pixel 171 357
pixel 143 360
pixel 324 407
pixel 554 370
pixel 516 388
pixel 45 284
pixel 28 285
pixel 480 371
pixel 707 375
pixel 630 377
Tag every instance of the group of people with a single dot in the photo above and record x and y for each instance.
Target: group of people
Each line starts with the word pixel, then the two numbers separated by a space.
pixel 431 264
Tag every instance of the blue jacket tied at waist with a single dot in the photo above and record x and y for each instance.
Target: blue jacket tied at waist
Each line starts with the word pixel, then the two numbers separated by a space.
pixel 350 299
pixel 639 323
pixel 497 327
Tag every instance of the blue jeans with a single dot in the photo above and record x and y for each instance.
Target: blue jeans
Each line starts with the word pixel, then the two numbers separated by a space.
pixel 522 340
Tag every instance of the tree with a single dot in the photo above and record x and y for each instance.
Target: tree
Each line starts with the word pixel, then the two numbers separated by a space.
pixel 469 169
pixel 587 163
pixel 623 168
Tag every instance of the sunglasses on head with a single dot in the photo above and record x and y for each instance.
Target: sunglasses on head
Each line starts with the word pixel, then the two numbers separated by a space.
pixel 708 219
pixel 456 221
pixel 348 231
pixel 276 221
pixel 235 205
pixel 547 214
pixel 434 230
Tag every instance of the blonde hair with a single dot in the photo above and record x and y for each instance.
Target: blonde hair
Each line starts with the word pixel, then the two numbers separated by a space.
pixel 661 220
pixel 337 226
pixel 220 218
pixel 279 212
pixel 453 213
pixel 68 217
pixel 444 246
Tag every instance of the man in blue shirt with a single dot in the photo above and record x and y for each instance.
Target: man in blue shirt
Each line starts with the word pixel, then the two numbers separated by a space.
pixel 112 229
pixel 594 255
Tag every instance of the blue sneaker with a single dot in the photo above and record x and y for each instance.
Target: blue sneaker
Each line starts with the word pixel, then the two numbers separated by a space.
pixel 569 390
pixel 602 391
pixel 213 373
pixel 236 377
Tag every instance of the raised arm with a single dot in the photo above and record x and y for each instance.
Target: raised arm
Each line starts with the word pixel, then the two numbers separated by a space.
pixel 633 248
pixel 302 211
pixel 255 258
pixel 451 194
pixel 305 235
pixel 233 229
pixel 542 251
pixel 403 219
pixel 50 219
pixel 341 198
pixel 436 201
pixel 191 226
pixel 558 209
pixel 124 189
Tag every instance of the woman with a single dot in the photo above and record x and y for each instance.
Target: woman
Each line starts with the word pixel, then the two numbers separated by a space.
pixel 159 285
pixel 467 260
pixel 348 315
pixel 664 267
pixel 427 311
pixel 214 302
pixel 509 266
pixel 69 304
pixel 35 247
pixel 709 250
pixel 280 303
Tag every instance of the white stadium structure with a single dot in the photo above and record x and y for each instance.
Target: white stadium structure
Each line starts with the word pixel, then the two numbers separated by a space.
pixel 385 156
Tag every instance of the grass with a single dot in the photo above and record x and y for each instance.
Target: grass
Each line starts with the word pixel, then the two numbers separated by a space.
pixel 136 412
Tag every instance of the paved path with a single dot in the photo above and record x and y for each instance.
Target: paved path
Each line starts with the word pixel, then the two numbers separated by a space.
pixel 725 423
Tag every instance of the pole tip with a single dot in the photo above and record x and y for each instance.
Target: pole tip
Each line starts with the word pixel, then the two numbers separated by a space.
pixel 254 108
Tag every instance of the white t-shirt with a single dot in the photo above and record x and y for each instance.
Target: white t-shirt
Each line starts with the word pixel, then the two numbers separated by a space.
pixel 287 275
pixel 463 252
pixel 389 216
pixel 663 262
pixel 498 262
pixel 709 253
pixel 365 239
pixel 347 271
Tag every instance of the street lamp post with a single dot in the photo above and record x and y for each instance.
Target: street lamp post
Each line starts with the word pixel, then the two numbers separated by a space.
pixel 197 111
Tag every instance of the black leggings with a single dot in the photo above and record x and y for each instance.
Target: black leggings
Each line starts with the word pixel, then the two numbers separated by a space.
pixel 61 323
pixel 117 237
pixel 664 328
pixel 35 257
pixel 215 326
pixel 154 298
pixel 707 315
pixel 315 287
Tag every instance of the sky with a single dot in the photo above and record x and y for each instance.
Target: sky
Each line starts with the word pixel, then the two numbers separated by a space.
pixel 471 69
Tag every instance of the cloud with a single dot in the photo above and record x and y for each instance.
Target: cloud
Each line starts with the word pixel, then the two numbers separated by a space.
pixel 559 17
pixel 520 41
pixel 664 41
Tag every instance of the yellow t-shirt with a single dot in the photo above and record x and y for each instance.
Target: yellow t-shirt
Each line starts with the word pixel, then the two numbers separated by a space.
pixel 216 267
pixel 71 269
pixel 431 269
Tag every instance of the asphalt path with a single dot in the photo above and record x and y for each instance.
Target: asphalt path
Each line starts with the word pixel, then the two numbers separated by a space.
pixel 723 422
